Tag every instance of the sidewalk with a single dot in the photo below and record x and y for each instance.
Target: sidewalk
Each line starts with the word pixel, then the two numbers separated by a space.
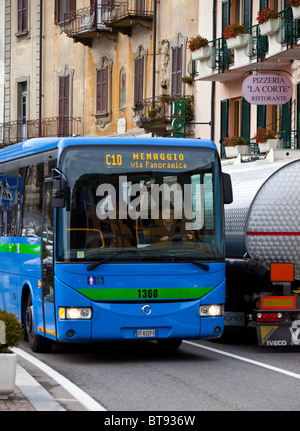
pixel 16 402
pixel 30 395
pixel 37 390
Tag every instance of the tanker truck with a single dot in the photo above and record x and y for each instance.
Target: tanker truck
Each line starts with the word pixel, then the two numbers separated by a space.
pixel 262 246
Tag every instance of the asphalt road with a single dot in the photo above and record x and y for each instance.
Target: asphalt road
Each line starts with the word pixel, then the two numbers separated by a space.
pixel 200 376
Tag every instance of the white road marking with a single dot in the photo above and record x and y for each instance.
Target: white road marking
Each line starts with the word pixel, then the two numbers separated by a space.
pixel 249 361
pixel 74 390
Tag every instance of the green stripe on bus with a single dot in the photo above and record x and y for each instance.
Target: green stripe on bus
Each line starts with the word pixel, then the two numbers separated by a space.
pixel 20 248
pixel 145 294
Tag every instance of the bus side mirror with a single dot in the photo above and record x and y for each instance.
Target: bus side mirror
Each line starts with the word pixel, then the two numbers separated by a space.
pixel 227 189
pixel 59 193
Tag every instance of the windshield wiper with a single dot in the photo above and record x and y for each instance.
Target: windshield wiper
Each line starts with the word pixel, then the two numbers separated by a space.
pixel 101 262
pixel 202 265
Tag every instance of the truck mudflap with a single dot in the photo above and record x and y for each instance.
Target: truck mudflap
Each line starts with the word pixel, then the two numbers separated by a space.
pixel 281 334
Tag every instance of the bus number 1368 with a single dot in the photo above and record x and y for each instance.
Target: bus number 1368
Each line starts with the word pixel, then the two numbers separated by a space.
pixel 148 293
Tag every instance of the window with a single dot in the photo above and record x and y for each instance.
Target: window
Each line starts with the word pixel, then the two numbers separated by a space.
pixel 236 117
pixel 122 95
pixel 62 7
pixel 23 109
pixel 64 90
pixel 177 52
pixel 22 16
pixel 138 79
pixel 101 104
pixel 103 92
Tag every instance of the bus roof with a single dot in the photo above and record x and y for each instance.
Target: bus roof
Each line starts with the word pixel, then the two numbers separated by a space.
pixel 38 145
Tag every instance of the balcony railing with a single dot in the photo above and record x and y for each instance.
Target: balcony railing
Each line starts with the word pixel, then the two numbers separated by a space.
pixel 157 116
pixel 119 10
pixel 287 38
pixel 16 131
pixel 83 22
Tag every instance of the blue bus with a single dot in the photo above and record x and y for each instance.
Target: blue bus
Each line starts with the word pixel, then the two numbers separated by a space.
pixel 107 239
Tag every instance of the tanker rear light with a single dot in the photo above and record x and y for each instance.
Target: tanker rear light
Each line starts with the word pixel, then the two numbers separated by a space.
pixel 269 317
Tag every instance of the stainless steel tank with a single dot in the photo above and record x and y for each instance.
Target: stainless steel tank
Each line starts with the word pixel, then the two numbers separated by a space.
pixel 264 221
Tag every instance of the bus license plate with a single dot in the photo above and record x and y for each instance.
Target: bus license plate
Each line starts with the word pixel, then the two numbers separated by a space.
pixel 145 333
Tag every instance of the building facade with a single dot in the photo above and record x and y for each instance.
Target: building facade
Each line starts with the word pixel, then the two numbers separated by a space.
pixel 271 54
pixel 96 67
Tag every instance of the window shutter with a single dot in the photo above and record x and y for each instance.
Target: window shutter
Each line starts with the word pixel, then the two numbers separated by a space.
pixel 286 124
pixel 72 6
pixel 22 16
pixel 225 13
pixel 224 124
pixel 63 110
pixel 138 79
pixel 177 70
pixel 261 116
pixel 247 13
pixel 174 68
pixel 263 4
pixel 20 10
pixel 298 117
pixel 25 15
pixel 56 11
pixel 245 119
pixel 102 93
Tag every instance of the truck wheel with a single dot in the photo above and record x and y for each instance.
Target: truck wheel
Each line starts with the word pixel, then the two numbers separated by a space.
pixel 37 343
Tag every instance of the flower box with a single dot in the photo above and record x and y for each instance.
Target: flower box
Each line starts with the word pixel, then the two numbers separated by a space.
pixel 269 27
pixel 275 32
pixel 242 45
pixel 296 12
pixel 202 53
pixel 237 42
pixel 264 147
pixel 236 150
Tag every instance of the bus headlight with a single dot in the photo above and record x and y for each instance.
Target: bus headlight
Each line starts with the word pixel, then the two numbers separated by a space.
pixel 211 310
pixel 75 313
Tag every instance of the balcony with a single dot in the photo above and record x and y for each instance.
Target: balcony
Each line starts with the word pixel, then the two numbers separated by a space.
pixel 16 131
pixel 124 14
pixel 86 23
pixel 157 117
pixel 259 54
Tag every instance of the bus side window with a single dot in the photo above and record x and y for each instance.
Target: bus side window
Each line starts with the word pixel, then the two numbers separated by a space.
pixel 32 219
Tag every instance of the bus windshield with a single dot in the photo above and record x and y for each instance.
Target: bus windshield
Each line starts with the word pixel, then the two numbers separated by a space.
pixel 140 204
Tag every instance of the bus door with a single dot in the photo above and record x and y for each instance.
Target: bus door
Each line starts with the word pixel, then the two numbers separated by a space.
pixel 47 262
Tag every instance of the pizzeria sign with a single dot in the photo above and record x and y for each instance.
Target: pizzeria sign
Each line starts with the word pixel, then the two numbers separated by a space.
pixel 267 89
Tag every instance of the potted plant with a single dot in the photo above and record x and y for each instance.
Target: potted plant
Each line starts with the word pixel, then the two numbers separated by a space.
pixel 187 80
pixel 296 8
pixel 266 139
pixel 268 20
pixel 235 145
pixel 235 35
pixel 8 359
pixel 199 47
pixel 152 113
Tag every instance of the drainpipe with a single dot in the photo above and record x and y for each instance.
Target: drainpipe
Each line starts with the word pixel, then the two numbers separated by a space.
pixel 213 84
pixel 40 64
pixel 154 53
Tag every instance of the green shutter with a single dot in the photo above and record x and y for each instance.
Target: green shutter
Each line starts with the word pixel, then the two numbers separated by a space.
pixel 225 13
pixel 298 117
pixel 247 13
pixel 224 124
pixel 286 124
pixel 245 119
pixel 263 4
pixel 261 116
